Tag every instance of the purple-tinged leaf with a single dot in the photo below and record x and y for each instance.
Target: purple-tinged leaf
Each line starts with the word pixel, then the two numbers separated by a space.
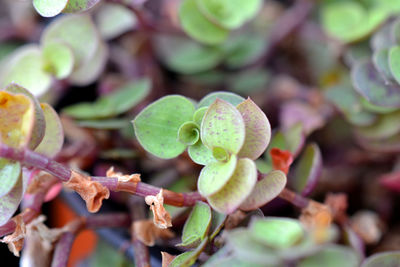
pixel 232 98
pixel 386 126
pixel 54 136
pixel 265 190
pixel 368 82
pixel 391 181
pixel 383 259
pixel 354 241
pixel 307 171
pixel 386 145
pixel 223 127
pixel 295 112
pixel 215 176
pixel 258 130
pixel 238 188
pixel 40 124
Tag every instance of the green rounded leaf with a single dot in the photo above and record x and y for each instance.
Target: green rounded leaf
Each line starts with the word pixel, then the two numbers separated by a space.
pixel 156 127
pixel 79 5
pixel 113 104
pixel 188 258
pixel 76 31
pixel 229 14
pixel 90 71
pixel 243 49
pixel 232 98
pixel 10 172
pixel 383 259
pixel 386 126
pixel 187 56
pixel 265 190
pixel 380 59
pixel 54 136
pixel 25 67
pixel 223 127
pixel 278 233
pixel 58 59
pixel 258 130
pixel 200 154
pixel 197 225
pixel 369 83
pixel 374 108
pixel 237 189
pixel 39 124
pixel 199 114
pixel 332 256
pixel 394 62
pixel 215 176
pixel 108 124
pixel 195 24
pixel 308 170
pixel 189 133
pixel 114 20
pixel 49 8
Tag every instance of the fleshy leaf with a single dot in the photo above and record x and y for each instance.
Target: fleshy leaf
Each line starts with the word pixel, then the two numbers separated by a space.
pixel 229 14
pixel 294 138
pixel 114 19
pixel 156 127
pixel 197 225
pixel 91 69
pixel 238 188
pixel 110 124
pixel 369 83
pixel 383 259
pixel 217 222
pixel 258 130
pixel 215 176
pixel 16 119
pixel 200 154
pixel 232 98
pixel 223 127
pixel 117 102
pixel 58 58
pixel 25 67
pixel 195 24
pixel 187 56
pixel 386 126
pixel 49 8
pixel 10 171
pixel 332 256
pixel 279 233
pixel 307 170
pixel 380 59
pixel 243 49
pixel 76 31
pixel 40 124
pixel 54 136
pixel 199 114
pixel 245 248
pixel 394 62
pixel 79 5
pixel 189 133
pixel 10 202
pixel 265 190
pixel 188 258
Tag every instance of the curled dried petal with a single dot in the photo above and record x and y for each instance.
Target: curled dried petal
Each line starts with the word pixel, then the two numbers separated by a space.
pixel 42 180
pixel 166 258
pixel 281 159
pixel 147 232
pixel 15 241
pixel 161 217
pixel 123 177
pixel 92 192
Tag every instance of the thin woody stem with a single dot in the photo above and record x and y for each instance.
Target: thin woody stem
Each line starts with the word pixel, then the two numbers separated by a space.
pixel 63 173
pixel 294 198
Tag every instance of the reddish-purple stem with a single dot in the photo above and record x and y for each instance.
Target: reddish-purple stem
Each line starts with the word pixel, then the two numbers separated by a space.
pixel 62 250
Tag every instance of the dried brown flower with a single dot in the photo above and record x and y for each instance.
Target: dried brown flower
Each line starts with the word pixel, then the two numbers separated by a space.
pixel 147 232
pixel 15 241
pixel 161 217
pixel 123 177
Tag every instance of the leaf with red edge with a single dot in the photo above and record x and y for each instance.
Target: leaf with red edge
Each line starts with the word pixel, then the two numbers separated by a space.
pixel 391 181
pixel 258 130
pixel 265 190
pixel 281 159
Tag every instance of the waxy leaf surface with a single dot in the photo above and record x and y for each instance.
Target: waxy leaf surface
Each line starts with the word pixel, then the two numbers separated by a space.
pixel 197 225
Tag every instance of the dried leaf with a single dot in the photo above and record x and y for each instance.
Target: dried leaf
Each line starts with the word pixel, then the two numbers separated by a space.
pixel 162 219
pixel 166 258
pixel 338 205
pixel 368 226
pixel 147 232
pixel 15 241
pixel 123 177
pixel 92 192
pixel 281 159
pixel 317 217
